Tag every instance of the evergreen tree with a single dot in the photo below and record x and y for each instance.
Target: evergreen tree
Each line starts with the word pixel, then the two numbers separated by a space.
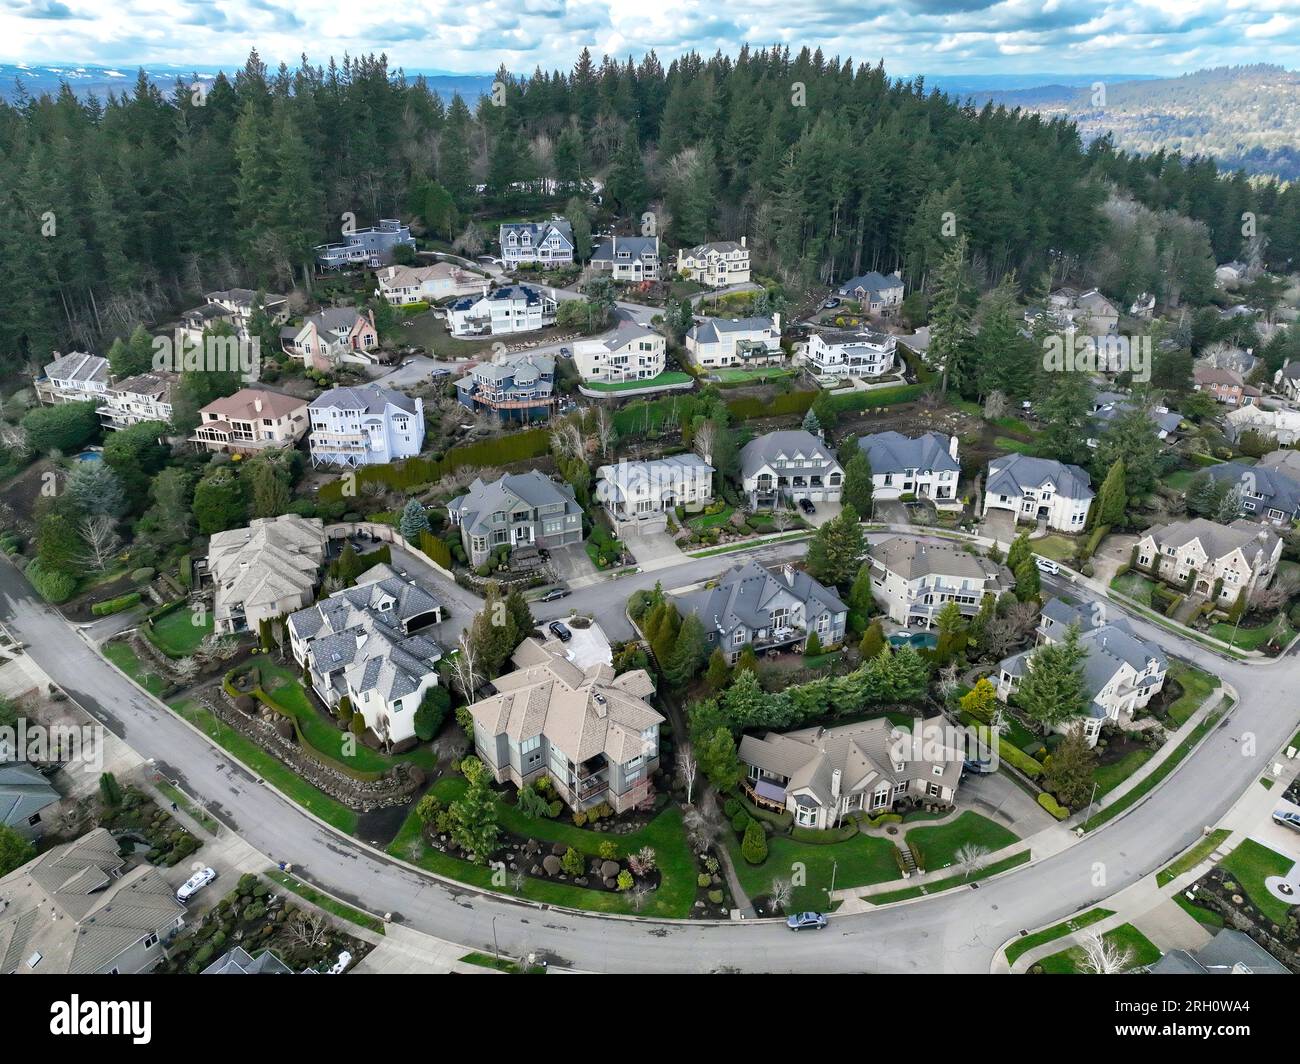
pixel 474 824
pixel 859 488
pixel 413 521
pixel 1028 582
pixel 873 641
pixel 1052 689
pixel 1071 769
pixel 690 652
pixel 835 552
pixel 1112 500
pixel 718 672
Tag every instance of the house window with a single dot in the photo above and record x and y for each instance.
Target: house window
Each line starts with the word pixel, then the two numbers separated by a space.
pixel 806 816
pixel 150 941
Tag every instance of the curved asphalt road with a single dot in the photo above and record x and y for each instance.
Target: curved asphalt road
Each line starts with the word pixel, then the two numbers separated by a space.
pixel 956 931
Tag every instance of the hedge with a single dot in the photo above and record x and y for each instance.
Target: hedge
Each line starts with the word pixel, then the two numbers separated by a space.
pixel 1094 541
pixel 436 549
pixel 830 835
pixel 1053 806
pixel 400 476
pixel 115 605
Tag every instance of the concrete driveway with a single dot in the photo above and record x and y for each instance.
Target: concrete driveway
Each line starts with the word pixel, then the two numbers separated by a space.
pixel 999 525
pixel 826 511
pixel 653 550
pixel 1115 550
pixel 571 563
pixel 891 512
pixel 997 797
pixel 417 372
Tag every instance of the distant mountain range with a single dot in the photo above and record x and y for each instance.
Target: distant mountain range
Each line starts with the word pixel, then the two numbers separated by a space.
pixel 1247 117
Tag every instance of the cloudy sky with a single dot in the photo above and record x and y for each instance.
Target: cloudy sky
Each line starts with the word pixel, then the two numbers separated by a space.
pixel 913 36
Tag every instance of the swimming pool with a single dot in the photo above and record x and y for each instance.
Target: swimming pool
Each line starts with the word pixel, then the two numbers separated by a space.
pixel 917 640
pixel 90 456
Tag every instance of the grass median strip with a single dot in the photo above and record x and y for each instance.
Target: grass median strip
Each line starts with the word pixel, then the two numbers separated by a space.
pixel 1021 946
pixel 937 887
pixel 1194 856
pixel 324 901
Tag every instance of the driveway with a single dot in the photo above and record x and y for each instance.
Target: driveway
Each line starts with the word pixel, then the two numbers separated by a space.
pixel 572 563
pixel 999 525
pixel 417 372
pixel 891 512
pixel 1115 550
pixel 997 797
pixel 653 550
pixel 826 511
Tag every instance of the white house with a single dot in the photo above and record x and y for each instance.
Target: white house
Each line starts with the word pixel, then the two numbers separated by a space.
pixel 537 243
pixel 923 466
pixel 1230 274
pixel 367 643
pixel 790 465
pixel 913 580
pixel 73 378
pixel 718 342
pixel 844 353
pixel 369 425
pixel 145 397
pixel 631 352
pixel 403 285
pixel 717 264
pixel 627 258
pixel 644 492
pixel 233 307
pixel 1283 424
pixel 514 308
pixel 1121 673
pixel 1038 489
pixel 1220 561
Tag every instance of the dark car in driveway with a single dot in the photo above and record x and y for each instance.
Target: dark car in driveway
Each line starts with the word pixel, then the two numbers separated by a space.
pixel 806 921
pixel 560 631
pixel 806 505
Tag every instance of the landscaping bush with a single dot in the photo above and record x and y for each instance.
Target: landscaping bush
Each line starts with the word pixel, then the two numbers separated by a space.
pixel 1053 806
pixel 754 846
pixel 53 585
pixel 115 605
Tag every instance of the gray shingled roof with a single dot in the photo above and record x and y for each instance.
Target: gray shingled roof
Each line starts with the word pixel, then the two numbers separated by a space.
pixel 369 399
pixel 912 559
pixel 24 792
pixel 1217 540
pixel 710 330
pixel 474 509
pixel 813 454
pixel 1280 490
pixel 1011 474
pixel 635 246
pixel 747 594
pixel 892 452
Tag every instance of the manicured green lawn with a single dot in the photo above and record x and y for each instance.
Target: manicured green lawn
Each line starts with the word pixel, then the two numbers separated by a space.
pixel 940 885
pixel 1135 586
pixel 1068 962
pixel 703 521
pixel 1023 945
pixel 1110 776
pixel 749 376
pixel 1058 548
pixel 1179 479
pixel 1249 865
pixel 176 634
pixel 857 862
pixel 1006 443
pixel 1194 856
pixel 125 658
pixel 939 845
pixel 1253 638
pixel 264 765
pixel 1197 686
pixel 1207 917
pixel 672 376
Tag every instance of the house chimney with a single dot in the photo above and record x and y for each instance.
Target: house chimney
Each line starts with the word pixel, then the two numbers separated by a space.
pixel 257 404
pixel 776 322
pixel 952 448
pixel 742 240
pixel 787 570
pixel 835 784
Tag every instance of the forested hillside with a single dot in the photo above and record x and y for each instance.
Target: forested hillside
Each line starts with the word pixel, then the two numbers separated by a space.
pixel 146 200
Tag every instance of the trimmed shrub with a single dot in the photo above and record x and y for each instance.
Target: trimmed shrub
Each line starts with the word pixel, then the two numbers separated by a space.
pixel 754 846
pixel 115 605
pixel 1053 806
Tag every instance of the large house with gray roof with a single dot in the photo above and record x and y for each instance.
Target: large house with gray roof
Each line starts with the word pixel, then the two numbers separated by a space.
pixel 878 293
pixel 1228 953
pixel 713 343
pixel 78 910
pixel 913 580
pixel 717 264
pixel 24 794
pixel 631 352
pixel 543 244
pixel 512 309
pixel 373 246
pixel 520 509
pixel 767 610
pixel 823 775
pixel 73 378
pixel 595 734
pixel 1121 673
pixel 367 643
pixel 643 493
pixel 1264 492
pixel 1222 561
pixel 627 258
pixel 265 570
pixel 844 353
pixel 370 425
pixel 338 335
pixel 513 387
pixel 924 466
pixel 1039 490
pixel 789 465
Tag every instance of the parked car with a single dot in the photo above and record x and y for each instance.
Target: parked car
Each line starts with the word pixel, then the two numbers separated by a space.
pixel 560 631
pixel 1288 818
pixel 807 506
pixel 1046 565
pixel 565 353
pixel 801 921
pixel 195 883
pixel 831 304
pixel 440 371
pixel 555 593
pixel 976 767
pixel 406 362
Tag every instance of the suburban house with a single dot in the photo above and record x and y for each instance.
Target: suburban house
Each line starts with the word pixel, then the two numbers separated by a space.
pixel 1229 952
pixel 369 425
pixel 716 342
pixel 366 643
pixel 1230 274
pixel 520 509
pixel 593 733
pixel 1224 385
pixel 24 794
pixel 372 247
pixel 73 378
pixel 265 570
pixel 1121 672
pixel 627 258
pixel 1286 461
pixel 1039 489
pixel 144 397
pixel 1282 425
pixel 791 464
pixel 1144 307
pixel 77 910
pixel 331 337
pixel 1287 380
pixel 913 580
pixel 514 308
pixel 643 493
pixel 1089 310
pixel 233 307
pixel 239 961
pixel 766 610
pixel 878 293
pixel 717 264
pixel 923 466
pixel 537 243
pixel 842 353
pixel 1107 406
pixel 631 352
pixel 514 387
pixel 1242 556
pixel 251 420
pixel 403 285
pixel 822 775
pixel 1267 493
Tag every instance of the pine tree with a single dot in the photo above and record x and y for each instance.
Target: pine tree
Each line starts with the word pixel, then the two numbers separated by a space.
pixel 1112 500
pixel 689 653
pixel 718 672
pixel 950 317
pixel 859 488
pixel 1028 582
pixel 413 521
pixel 835 552
pixel 873 641
pixel 1052 689
pixel 1071 769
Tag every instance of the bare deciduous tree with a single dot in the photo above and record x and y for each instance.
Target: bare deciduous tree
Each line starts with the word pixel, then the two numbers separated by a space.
pixel 309 930
pixel 185 670
pixel 1277 594
pixel 971 857
pixel 605 433
pixel 102 541
pixel 1009 630
pixel 462 669
pixel 705 440
pixel 780 895
pixel 1101 956
pixel 995 406
pixel 687 767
